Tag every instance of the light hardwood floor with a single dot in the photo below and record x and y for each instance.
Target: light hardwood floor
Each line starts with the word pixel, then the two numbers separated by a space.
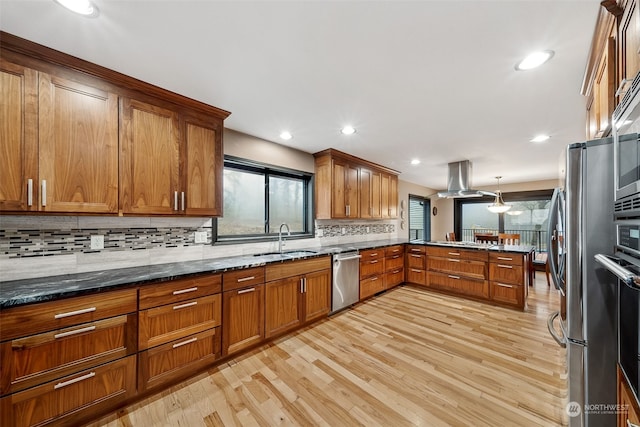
pixel 407 357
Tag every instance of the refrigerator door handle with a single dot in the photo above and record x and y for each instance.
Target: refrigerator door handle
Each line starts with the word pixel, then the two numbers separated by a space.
pixel 622 273
pixel 562 341
pixel 553 241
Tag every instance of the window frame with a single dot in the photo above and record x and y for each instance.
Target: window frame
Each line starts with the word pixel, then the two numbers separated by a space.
pixel 267 170
pixel 426 216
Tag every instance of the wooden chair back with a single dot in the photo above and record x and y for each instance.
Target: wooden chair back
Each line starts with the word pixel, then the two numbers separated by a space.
pixel 509 238
pixel 451 237
pixel 485 238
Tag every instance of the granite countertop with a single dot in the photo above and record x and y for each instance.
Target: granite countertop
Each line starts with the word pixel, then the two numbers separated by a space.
pixel 525 249
pixel 28 291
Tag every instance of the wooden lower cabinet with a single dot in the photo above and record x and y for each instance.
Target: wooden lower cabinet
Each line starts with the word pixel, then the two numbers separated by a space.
pixel 242 318
pixel 459 284
pixel 416 265
pixel 68 400
pixel 371 286
pixel 171 361
pixel 629 413
pixel 317 294
pixel 507 293
pixel 283 305
pixel 508 278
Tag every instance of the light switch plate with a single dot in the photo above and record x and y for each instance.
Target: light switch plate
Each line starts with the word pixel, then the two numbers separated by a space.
pixel 97 242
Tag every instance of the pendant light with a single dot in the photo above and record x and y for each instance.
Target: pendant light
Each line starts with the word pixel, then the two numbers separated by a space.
pixel 498 205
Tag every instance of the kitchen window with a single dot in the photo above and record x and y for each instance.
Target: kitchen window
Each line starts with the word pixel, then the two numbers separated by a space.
pixel 258 198
pixel 419 218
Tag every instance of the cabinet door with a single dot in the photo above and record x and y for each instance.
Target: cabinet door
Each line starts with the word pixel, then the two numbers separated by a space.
pixel 317 295
pixel 339 194
pixel 384 195
pixel 149 159
pixel 392 208
pixel 629 40
pixel 353 195
pixel 604 89
pixel 242 318
pixel 204 168
pixel 18 137
pixel 376 194
pixel 365 194
pixel 283 310
pixel 78 147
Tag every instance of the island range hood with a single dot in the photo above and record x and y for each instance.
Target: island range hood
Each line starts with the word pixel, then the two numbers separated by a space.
pixel 459 182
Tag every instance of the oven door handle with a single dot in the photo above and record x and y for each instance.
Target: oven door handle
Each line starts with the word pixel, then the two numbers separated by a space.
pixel 560 340
pixel 619 271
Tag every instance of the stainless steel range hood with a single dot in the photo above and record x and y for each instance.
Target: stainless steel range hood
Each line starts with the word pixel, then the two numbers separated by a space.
pixel 460 182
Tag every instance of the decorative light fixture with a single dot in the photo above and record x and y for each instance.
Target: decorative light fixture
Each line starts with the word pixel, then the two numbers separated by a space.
pixel 513 213
pixel 498 206
pixel 82 7
pixel 348 130
pixel 534 60
pixel 286 135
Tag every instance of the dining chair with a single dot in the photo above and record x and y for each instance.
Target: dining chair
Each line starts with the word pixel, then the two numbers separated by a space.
pixel 509 238
pixel 451 237
pixel 485 238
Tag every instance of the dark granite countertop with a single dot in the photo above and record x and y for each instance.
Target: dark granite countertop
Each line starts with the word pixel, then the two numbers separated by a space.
pixel 525 249
pixel 28 291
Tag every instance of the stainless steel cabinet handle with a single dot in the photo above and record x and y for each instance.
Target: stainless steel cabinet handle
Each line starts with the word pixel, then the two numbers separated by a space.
pixel 453 260
pixel 373 262
pixel 395 257
pixel 630 424
pixel 454 253
pixel 415 250
pixel 374 254
pixel 454 277
pixel 396 272
pixel 348 210
pixel 305 284
pixel 505 258
pixel 416 271
pixel 349 257
pixel 185 342
pixel 502 285
pixel 301 285
pixel 175 200
pixel 560 340
pixel 189 304
pixel 246 291
pixel 415 256
pixel 374 278
pixel 75 380
pixel 505 266
pixel 74 313
pixel 29 192
pixel 75 332
pixel 244 279
pixel 43 192
pixel 182 202
pixel 184 291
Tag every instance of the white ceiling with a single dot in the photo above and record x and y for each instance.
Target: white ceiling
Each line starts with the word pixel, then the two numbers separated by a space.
pixel 432 80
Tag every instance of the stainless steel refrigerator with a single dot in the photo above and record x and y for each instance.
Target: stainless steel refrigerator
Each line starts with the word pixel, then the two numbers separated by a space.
pixel 581 225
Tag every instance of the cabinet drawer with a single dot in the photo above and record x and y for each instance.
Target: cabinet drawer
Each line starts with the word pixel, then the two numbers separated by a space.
pixel 506 273
pixel 371 286
pixel 506 258
pixel 393 278
pixel 416 261
pixel 168 362
pixel 462 267
pixel 371 267
pixel 416 249
pixel 507 293
pixel 178 290
pixel 33 360
pixel 458 253
pixel 293 268
pixel 416 276
pixel 171 322
pixel 72 398
pixel 242 278
pixel 393 262
pixel 35 318
pixel 393 250
pixel 371 254
pixel 459 285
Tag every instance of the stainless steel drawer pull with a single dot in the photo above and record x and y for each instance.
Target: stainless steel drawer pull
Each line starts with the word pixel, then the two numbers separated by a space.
pixel 416 271
pixel 374 254
pixel 189 341
pixel 244 279
pixel 395 257
pixel 416 256
pixel 505 258
pixel 43 192
pixel 454 253
pixel 396 250
pixel 454 277
pixel 29 192
pixel 505 266
pixel 189 304
pixel 74 313
pixel 245 291
pixel 184 291
pixel 182 202
pixel 396 272
pixel 502 285
pixel 77 331
pixel 374 278
pixel 75 380
pixel 416 250
pixel 453 260
pixel 175 200
pixel 373 262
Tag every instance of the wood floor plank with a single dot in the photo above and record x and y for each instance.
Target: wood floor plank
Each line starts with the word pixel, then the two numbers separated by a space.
pixel 405 357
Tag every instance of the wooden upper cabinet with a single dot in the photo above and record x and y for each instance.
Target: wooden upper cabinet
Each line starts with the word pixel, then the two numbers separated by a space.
pixel 629 42
pixel 150 159
pixel 18 137
pixel 348 187
pixel 204 166
pixel 78 154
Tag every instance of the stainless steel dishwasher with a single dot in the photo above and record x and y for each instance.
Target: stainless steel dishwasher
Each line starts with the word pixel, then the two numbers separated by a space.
pixel 346 280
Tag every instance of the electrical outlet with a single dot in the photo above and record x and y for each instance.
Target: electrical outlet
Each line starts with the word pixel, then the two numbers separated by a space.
pixel 367 229
pixel 200 237
pixel 344 231
pixel 97 242
pixel 319 233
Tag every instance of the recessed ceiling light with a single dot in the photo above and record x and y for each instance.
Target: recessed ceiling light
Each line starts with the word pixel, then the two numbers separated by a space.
pixel 82 7
pixel 540 138
pixel 415 162
pixel 348 130
pixel 534 60
pixel 286 135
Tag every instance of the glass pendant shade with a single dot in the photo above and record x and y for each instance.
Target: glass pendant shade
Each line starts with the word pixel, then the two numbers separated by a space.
pixel 498 206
